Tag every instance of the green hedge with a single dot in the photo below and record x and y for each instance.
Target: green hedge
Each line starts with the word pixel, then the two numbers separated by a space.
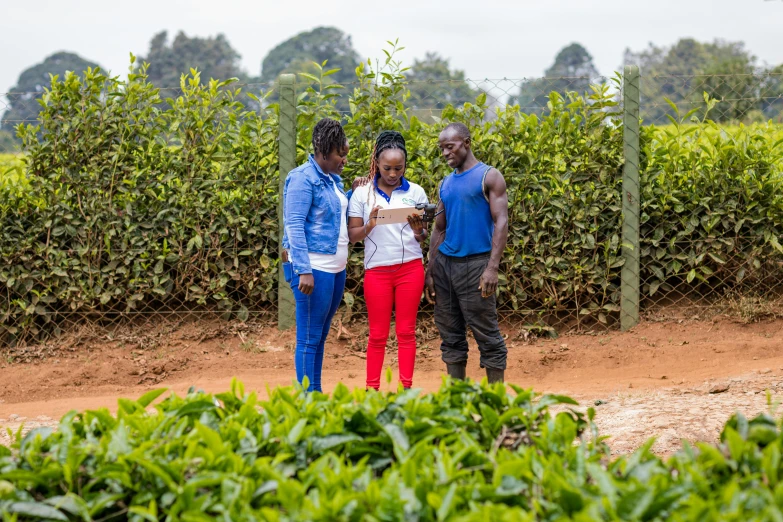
pixel 12 178
pixel 140 204
pixel 712 208
pixel 467 453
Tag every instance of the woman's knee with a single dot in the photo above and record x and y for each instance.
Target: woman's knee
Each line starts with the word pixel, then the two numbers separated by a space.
pixel 379 336
pixel 406 332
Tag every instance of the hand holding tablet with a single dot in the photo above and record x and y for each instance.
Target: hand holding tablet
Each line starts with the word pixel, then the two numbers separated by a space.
pixel 389 216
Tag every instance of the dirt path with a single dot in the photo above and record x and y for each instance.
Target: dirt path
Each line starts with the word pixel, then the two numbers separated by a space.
pixel 652 381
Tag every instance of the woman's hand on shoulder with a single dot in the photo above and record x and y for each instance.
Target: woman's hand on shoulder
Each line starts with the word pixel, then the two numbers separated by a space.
pixel 359 182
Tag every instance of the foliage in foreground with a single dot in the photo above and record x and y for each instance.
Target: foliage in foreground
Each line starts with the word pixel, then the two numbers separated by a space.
pixel 467 452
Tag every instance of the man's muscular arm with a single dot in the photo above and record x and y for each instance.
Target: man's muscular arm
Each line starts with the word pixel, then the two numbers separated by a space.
pixel 438 235
pixel 495 187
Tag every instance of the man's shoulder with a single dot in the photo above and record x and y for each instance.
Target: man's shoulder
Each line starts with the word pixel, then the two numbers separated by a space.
pixel 493 176
pixel 490 169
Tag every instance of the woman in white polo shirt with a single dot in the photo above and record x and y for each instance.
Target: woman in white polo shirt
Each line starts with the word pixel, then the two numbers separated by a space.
pixel 394 277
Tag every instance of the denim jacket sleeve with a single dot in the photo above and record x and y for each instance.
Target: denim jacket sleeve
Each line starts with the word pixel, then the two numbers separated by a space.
pixel 299 199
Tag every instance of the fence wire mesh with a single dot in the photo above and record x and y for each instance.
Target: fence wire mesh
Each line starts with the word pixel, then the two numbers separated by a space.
pixel 102 239
pixel 711 205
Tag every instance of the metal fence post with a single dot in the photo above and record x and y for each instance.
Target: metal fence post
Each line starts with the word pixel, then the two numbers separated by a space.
pixel 287 162
pixel 630 288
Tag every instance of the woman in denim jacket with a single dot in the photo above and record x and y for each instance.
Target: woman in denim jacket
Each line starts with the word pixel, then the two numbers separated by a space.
pixel 316 241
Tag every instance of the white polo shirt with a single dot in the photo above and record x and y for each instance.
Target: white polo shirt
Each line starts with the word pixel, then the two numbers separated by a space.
pixel 392 244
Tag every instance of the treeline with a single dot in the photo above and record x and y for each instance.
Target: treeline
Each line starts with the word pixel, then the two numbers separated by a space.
pixel 214 57
pixel 747 91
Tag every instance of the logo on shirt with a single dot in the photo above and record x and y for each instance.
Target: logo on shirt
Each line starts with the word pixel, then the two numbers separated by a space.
pixel 409 201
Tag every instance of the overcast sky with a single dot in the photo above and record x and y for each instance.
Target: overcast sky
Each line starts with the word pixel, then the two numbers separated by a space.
pixel 485 38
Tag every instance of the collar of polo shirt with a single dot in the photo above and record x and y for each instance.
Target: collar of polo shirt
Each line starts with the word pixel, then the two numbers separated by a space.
pixel 404 186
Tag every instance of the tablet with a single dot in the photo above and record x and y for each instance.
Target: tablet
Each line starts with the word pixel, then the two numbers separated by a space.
pixel 389 216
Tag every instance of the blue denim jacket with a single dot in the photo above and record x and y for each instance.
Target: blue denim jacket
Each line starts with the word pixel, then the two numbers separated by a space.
pixel 311 215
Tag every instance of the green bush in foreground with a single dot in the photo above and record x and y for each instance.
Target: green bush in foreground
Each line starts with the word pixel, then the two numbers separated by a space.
pixel 467 452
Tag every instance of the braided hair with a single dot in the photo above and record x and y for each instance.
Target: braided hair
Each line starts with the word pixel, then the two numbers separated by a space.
pixel 328 136
pixel 386 140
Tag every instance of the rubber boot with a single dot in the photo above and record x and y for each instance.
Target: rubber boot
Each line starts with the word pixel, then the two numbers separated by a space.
pixel 494 375
pixel 456 371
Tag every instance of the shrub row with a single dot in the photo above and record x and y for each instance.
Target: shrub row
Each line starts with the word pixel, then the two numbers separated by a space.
pixel 136 203
pixel 12 178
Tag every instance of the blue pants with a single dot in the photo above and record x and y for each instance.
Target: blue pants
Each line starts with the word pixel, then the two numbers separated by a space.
pixel 314 315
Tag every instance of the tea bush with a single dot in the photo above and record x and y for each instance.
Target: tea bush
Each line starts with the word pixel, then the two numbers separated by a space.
pixel 712 207
pixel 12 178
pixel 134 205
pixel 133 208
pixel 468 452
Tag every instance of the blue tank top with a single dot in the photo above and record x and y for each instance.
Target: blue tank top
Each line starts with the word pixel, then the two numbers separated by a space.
pixel 469 225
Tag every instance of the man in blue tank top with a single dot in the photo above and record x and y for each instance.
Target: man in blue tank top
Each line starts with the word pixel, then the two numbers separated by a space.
pixel 469 237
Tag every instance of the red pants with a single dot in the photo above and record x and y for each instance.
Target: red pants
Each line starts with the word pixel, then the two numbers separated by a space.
pixel 387 288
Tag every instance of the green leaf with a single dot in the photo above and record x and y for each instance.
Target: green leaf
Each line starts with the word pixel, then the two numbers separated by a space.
pixel 447 504
pixel 322 444
pixel 349 299
pixel 149 397
pixel 35 509
pixel 198 406
pixel 296 432
pixel 243 313
pixel 309 77
pixel 550 399
pixel 399 439
pixel 70 503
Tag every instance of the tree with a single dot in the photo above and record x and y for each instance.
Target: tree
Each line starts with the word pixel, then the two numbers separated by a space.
pixel 687 70
pixel 573 62
pixel 299 52
pixel 772 94
pixel 213 57
pixel 23 105
pixel 572 71
pixel 434 85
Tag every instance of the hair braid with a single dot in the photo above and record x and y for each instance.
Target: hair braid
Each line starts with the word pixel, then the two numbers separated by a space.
pixel 328 136
pixel 386 140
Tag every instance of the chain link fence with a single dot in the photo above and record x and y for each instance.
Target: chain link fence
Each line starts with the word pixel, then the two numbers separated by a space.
pixel 711 206
pixel 708 181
